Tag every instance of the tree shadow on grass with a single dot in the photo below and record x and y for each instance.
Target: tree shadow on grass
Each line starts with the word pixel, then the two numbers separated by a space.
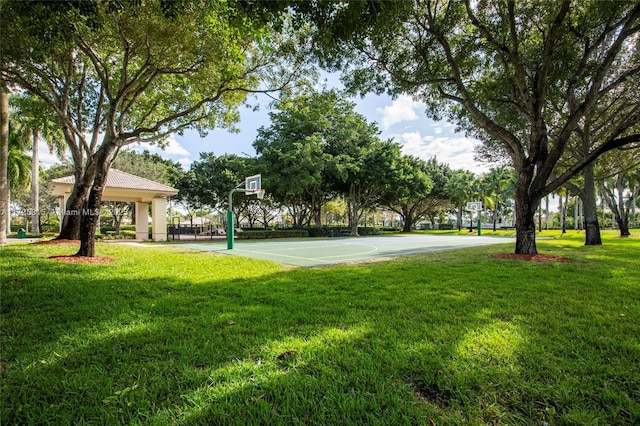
pixel 384 343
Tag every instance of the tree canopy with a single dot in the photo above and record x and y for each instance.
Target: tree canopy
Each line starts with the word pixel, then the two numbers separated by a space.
pixel 520 75
pixel 116 73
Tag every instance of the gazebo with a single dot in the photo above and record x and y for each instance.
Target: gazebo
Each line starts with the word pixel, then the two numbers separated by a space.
pixel 126 187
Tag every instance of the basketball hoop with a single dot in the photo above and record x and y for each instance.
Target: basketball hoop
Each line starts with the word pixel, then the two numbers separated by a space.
pixel 252 186
pixel 474 206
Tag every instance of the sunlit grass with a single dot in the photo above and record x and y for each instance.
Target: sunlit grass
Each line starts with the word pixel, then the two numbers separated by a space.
pixel 168 336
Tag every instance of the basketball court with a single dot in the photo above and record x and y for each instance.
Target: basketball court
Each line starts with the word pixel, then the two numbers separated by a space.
pixel 328 251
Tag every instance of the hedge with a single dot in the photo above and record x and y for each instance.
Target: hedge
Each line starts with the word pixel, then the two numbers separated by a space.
pixel 391 229
pixel 325 231
pixel 110 228
pixel 264 234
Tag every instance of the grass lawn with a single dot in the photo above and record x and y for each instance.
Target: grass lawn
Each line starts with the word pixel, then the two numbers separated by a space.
pixel 167 336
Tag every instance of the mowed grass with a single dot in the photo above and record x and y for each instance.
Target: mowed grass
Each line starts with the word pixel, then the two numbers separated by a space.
pixel 167 336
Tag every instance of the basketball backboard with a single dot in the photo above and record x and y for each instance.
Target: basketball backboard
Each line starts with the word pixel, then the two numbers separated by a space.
pixel 474 206
pixel 253 183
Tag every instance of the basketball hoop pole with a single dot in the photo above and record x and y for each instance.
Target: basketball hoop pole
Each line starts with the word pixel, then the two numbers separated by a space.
pixel 230 224
pixel 248 189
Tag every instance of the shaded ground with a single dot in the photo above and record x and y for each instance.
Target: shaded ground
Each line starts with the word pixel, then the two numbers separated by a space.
pixel 58 242
pixel 82 259
pixel 532 257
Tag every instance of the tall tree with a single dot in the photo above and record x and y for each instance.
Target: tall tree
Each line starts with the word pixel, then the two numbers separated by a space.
pixel 313 149
pixel 209 180
pixel 408 192
pixel 461 189
pixel 620 194
pixel 4 161
pixel 365 174
pixel 18 162
pixel 36 118
pixel 497 186
pixel 521 75
pixel 117 73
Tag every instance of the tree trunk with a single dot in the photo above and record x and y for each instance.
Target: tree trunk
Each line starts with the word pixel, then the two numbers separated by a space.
pixel 35 186
pixel 317 209
pixel 72 216
pixel 546 213
pixel 353 206
pixel 90 214
pixel 590 208
pixel 4 158
pixel 623 216
pixel 623 224
pixel 459 218
pixel 407 219
pixel 562 214
pixel 526 206
pixel 540 216
pixel 118 221
pixel 495 219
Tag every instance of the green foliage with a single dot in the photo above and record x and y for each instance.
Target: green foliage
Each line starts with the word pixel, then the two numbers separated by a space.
pixel 316 147
pixel 275 233
pixel 147 165
pixel 519 76
pixel 168 336
pixel 209 180
pixel 118 73
pixel 417 190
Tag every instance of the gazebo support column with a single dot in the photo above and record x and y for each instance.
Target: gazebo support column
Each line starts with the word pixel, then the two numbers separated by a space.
pixel 159 219
pixel 142 221
pixel 63 207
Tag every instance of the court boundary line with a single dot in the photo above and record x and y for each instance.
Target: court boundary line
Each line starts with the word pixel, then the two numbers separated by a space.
pixel 273 252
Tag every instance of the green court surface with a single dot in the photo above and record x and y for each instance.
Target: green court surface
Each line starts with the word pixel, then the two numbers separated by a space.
pixel 327 251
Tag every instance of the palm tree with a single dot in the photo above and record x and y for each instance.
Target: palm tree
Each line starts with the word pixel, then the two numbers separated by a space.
pixel 498 186
pixel 4 146
pixel 563 195
pixel 35 118
pixel 461 188
pixel 18 164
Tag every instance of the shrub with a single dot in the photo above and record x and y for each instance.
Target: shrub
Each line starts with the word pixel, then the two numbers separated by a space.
pixel 318 231
pixel 391 229
pixel 362 230
pixel 264 234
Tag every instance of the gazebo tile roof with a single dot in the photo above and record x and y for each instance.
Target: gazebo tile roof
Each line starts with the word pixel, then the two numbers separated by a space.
pixel 123 180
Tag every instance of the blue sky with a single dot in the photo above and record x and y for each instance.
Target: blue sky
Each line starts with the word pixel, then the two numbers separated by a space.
pixel 401 119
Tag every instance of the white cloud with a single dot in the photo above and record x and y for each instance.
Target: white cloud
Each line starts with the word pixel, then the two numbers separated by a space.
pixel 45 157
pixel 402 109
pixel 171 149
pixel 174 148
pixel 455 151
pixel 186 162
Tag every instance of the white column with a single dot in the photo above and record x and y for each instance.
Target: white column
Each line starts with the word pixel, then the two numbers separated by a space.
pixel 142 221
pixel 63 207
pixel 159 219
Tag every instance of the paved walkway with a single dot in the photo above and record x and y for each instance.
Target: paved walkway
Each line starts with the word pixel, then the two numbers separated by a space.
pixel 22 240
